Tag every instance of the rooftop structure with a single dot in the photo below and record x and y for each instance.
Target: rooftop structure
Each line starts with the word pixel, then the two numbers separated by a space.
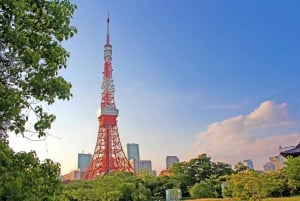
pixel 293 151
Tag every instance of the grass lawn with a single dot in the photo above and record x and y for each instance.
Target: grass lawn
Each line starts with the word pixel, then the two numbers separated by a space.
pixel 296 198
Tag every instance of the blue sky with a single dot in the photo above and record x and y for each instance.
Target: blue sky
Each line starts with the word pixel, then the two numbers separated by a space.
pixel 219 77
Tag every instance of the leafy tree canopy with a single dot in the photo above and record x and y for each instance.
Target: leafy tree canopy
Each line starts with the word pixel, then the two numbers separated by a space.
pixel 202 190
pixel 24 178
pixel 113 186
pixel 240 167
pixel 31 54
pixel 196 170
pixel 292 172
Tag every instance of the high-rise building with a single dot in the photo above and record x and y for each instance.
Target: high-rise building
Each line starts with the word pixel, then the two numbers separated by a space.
pixel 269 167
pixel 145 166
pixel 278 162
pixel 249 163
pixel 154 173
pixel 133 151
pixel 135 164
pixel 170 160
pixel 83 162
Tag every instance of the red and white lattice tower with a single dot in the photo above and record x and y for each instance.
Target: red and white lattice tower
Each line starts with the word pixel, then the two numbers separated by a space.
pixel 108 155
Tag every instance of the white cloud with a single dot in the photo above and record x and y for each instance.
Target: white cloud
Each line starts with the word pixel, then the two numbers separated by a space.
pixel 268 114
pixel 255 136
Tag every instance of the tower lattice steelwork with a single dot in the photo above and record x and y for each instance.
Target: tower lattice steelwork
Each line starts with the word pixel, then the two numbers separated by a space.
pixel 108 155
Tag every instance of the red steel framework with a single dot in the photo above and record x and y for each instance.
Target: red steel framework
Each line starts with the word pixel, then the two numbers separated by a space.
pixel 108 155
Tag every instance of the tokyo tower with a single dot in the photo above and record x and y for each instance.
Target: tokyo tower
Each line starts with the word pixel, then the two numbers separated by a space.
pixel 108 155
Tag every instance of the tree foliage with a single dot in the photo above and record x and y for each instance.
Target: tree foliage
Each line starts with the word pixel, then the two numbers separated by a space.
pixel 24 178
pixel 242 185
pixel 31 54
pixel 202 190
pixel 199 169
pixel 207 188
pixel 120 186
pixel 253 185
pixel 162 184
pixel 292 172
pixel 240 167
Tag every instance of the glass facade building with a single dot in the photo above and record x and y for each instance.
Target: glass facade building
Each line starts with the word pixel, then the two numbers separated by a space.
pixel 133 151
pixel 84 161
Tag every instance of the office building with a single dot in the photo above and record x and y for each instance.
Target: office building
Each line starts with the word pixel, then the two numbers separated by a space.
pixel 133 151
pixel 145 167
pixel 249 163
pixel 72 176
pixel 135 164
pixel 154 173
pixel 83 162
pixel 278 161
pixel 269 167
pixel 170 160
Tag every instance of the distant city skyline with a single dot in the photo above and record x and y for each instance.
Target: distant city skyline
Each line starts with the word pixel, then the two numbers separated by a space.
pixel 215 77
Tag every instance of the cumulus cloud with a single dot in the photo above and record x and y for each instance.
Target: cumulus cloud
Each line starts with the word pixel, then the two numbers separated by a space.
pixel 268 114
pixel 255 136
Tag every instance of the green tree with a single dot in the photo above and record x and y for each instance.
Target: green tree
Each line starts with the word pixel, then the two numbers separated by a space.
pixel 107 187
pixel 181 173
pixel 119 186
pixel 151 182
pixel 292 172
pixel 200 168
pixel 240 167
pixel 202 190
pixel 278 183
pixel 221 169
pixel 207 188
pixel 215 183
pixel 80 190
pixel 31 55
pixel 187 174
pixel 252 185
pixel 141 192
pixel 24 178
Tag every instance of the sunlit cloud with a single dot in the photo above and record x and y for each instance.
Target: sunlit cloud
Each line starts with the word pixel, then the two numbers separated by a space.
pixel 255 136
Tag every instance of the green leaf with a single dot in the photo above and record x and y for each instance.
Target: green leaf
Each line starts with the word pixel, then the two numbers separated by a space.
pixel 31 56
